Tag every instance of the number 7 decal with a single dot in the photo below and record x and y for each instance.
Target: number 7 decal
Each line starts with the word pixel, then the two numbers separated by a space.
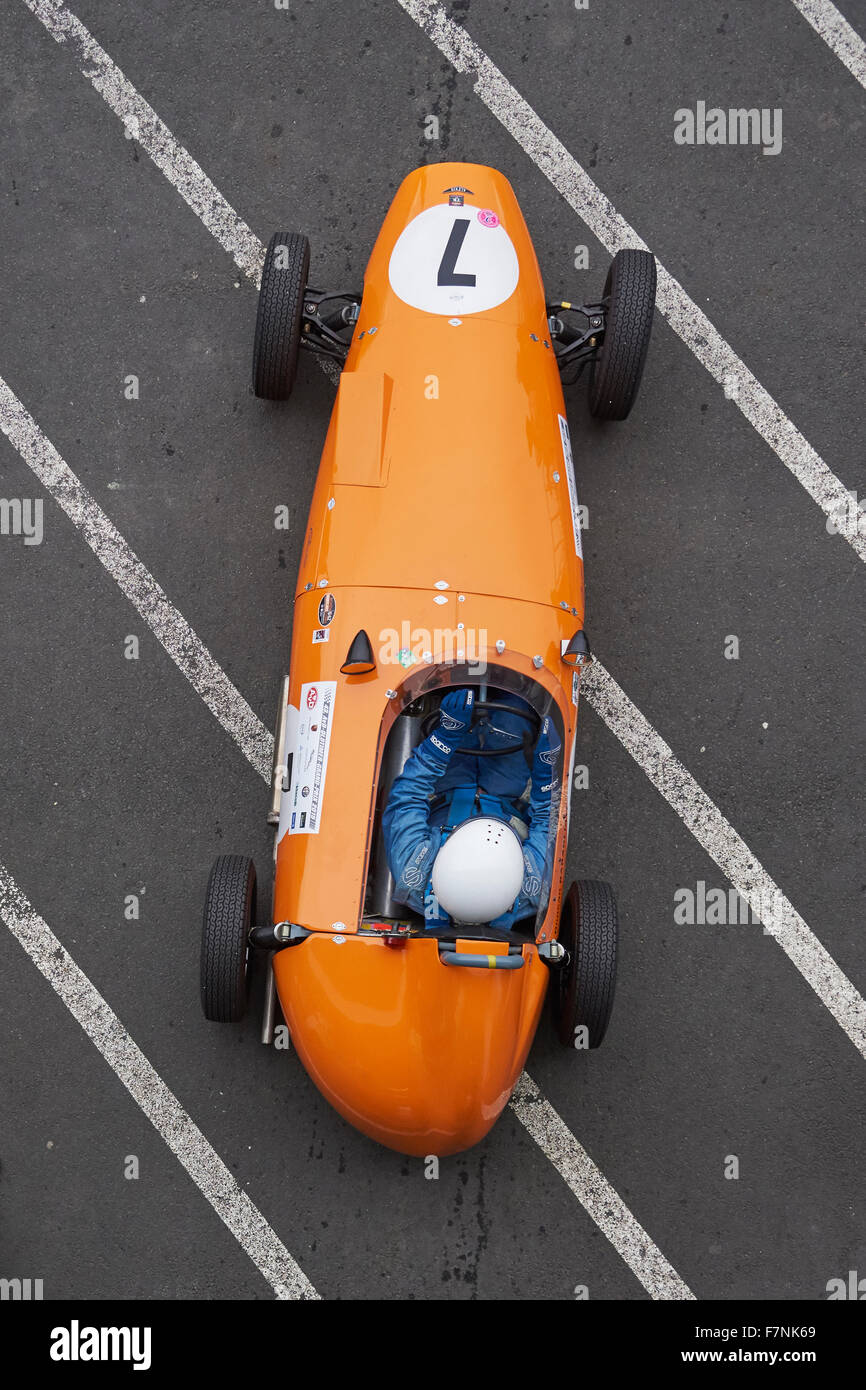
pixel 447 274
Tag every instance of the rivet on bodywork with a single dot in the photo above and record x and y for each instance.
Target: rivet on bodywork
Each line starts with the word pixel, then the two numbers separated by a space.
pixel 461 598
pixel 331 504
pixel 390 694
pixel 439 598
pixel 307 586
pixel 500 646
pixel 441 584
pixel 537 662
pixel 323 583
pixel 556 477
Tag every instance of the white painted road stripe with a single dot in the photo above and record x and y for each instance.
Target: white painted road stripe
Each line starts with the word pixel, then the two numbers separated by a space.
pixel 170 628
pixel 148 131
pixel 150 1093
pixel 837 33
pixel 691 323
pixel 594 1192
pixel 722 843
pixel 167 153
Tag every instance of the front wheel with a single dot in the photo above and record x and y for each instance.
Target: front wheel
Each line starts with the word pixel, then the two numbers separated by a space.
pixel 617 371
pixel 584 984
pixel 278 320
pixel 229 916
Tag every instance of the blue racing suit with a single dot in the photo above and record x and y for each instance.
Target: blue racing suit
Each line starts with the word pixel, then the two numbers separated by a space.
pixel 442 785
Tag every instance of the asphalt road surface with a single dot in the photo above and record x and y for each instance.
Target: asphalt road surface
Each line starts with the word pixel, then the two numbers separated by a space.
pixel 117 780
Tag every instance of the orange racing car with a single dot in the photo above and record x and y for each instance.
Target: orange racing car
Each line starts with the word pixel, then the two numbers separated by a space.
pixel 426 733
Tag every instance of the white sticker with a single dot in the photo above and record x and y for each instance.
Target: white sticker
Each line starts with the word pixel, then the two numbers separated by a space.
pixel 575 686
pixel 448 261
pixel 321 634
pixel 572 486
pixel 310 757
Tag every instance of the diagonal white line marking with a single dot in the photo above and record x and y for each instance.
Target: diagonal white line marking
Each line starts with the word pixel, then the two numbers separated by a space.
pixel 169 626
pixel 722 843
pixel 837 33
pixel 150 1093
pixel 594 1192
pixel 145 127
pixel 155 138
pixel 692 325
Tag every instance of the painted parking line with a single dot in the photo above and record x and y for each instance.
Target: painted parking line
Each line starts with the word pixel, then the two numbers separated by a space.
pixel 718 837
pixel 595 1193
pixel 154 137
pixel 148 131
pixel 169 626
pixel 837 33
pixel 551 157
pixel 691 324
pixel 159 1104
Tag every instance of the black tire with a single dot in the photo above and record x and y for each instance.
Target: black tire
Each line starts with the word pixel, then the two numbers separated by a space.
pixel 583 987
pixel 278 320
pixel 229 914
pixel 616 373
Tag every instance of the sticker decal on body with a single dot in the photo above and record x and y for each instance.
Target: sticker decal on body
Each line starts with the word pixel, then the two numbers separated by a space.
pixel 310 757
pixel 567 459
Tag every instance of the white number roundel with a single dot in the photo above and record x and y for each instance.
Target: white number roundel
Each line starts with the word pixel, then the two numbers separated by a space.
pixel 454 261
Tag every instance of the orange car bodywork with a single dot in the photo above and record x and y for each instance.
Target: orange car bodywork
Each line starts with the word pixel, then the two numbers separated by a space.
pixel 444 497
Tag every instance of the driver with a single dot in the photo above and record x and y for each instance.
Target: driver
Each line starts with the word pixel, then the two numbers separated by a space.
pixel 467 837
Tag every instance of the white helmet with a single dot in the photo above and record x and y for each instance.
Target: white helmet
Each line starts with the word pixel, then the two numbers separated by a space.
pixel 478 872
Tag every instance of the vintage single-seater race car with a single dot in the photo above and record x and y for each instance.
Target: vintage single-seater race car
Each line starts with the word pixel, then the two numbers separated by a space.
pixel 425 738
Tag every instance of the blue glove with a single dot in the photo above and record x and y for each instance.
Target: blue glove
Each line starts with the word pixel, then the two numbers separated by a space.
pixel 455 714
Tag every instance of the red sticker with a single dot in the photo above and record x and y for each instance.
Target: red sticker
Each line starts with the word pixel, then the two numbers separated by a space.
pixel 488 218
pixel 312 697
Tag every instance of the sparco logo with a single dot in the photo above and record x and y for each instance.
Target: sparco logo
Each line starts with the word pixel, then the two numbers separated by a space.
pixel 77 1343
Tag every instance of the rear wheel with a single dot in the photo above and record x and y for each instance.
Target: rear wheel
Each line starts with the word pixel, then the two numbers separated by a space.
pixel 616 373
pixel 583 987
pixel 278 321
pixel 229 915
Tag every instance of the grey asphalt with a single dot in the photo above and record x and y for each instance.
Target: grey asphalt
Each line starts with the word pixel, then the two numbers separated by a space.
pixel 116 779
